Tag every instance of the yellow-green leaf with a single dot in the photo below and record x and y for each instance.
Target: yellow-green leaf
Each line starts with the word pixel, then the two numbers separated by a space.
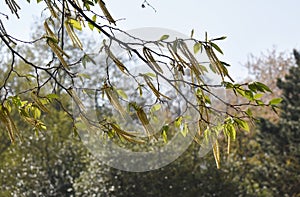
pixel 155 107
pixel 164 133
pixel 122 94
pixel 76 24
pixel 275 101
pixel 177 122
pixel 36 113
pixel 185 130
pixel 197 47
pixel 164 37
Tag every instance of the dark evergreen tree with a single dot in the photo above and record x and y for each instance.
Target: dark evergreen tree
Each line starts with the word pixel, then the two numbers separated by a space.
pixel 290 109
pixel 282 141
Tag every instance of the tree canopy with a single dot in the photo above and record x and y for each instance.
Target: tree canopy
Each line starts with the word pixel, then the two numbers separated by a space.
pixel 130 89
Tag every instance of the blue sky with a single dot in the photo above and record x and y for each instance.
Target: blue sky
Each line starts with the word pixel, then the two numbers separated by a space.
pixel 251 26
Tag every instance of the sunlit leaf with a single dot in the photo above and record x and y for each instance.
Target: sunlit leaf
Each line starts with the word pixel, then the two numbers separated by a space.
pixel 177 122
pixel 275 101
pixel 164 131
pixel 185 130
pixel 257 96
pixel 242 124
pixel 76 24
pixel 36 113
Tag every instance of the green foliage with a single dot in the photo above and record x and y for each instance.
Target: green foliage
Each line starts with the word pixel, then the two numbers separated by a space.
pixel 45 164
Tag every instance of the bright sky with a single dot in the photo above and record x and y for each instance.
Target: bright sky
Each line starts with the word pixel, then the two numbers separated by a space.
pixel 251 26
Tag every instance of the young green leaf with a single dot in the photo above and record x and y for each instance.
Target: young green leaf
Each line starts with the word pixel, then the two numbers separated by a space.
pixel 197 47
pixel 262 87
pixel 150 75
pixel 164 37
pixel 216 47
pixel 192 33
pixel 275 101
pixel 177 122
pixel 257 96
pixel 242 124
pixel 155 107
pixel 122 94
pixel 220 38
pixel 76 24
pixel 185 130
pixel 164 131
pixel 36 112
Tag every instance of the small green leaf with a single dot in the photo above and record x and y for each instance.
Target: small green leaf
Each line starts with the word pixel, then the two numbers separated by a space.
pixel 225 64
pixel 86 59
pixel 192 33
pixel 241 91
pixel 76 24
pixel 203 68
pixel 216 47
pixel 262 87
pixel 164 37
pixel 220 38
pixel 252 87
pixel 150 75
pixel 155 107
pixel 17 101
pixel 52 96
pixel 122 94
pixel 36 113
pixel 88 7
pixel 212 68
pixel 177 122
pixel 242 124
pixel 111 133
pixel 140 91
pixel 275 101
pixel 91 26
pixel 164 131
pixel 249 95
pixel 259 102
pixel 185 130
pixel 94 18
pixel 197 47
pixel 228 85
pixel 257 96
pixel 43 127
pixel 207 99
pixel 249 112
